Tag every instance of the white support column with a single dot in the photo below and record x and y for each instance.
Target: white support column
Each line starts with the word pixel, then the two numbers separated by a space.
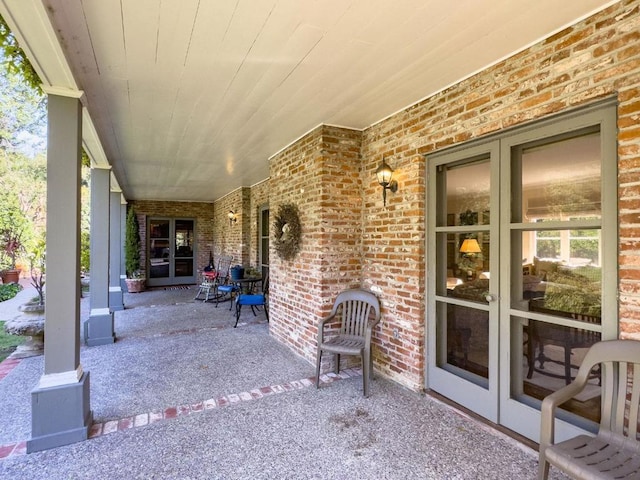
pixel 123 228
pixel 116 300
pixel 60 406
pixel 98 328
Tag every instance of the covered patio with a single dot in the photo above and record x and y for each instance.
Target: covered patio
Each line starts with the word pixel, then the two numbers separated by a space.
pixel 182 394
pixel 209 117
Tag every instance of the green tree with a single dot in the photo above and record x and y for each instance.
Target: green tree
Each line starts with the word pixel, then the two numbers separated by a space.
pixel 132 245
pixel 15 230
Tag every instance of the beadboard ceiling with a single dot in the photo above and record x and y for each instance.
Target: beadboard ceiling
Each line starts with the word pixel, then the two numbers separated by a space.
pixel 188 99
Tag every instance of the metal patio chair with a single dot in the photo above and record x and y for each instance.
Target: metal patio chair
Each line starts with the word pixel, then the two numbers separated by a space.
pixel 222 286
pixel 615 451
pixel 358 312
pixel 254 300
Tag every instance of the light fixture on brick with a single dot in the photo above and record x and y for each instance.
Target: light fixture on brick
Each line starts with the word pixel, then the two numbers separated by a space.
pixel 384 174
pixel 233 218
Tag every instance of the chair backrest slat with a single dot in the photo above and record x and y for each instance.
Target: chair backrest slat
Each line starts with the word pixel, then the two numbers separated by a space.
pixel 620 398
pixel 607 393
pixel 357 307
pixel 619 362
pixel 224 265
pixel 635 402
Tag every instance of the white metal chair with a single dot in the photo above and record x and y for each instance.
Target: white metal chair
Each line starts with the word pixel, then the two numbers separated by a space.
pixel 615 451
pixel 207 284
pixel 360 313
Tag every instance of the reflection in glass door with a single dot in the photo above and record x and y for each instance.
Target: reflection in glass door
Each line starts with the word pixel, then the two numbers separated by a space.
pixel 553 306
pixel 522 279
pixel 171 255
pixel 464 347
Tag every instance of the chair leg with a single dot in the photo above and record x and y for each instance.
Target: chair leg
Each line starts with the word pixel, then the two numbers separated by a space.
pixel 543 469
pixel 366 371
pixel 231 300
pixel 318 358
pixel 336 363
pixel 238 307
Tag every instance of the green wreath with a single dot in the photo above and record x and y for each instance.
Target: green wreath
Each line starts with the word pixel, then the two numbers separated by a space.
pixel 288 230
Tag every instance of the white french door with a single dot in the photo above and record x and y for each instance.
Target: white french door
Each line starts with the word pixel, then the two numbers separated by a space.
pixel 521 232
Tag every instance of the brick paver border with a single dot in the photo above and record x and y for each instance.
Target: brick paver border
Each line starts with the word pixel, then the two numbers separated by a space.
pixel 108 427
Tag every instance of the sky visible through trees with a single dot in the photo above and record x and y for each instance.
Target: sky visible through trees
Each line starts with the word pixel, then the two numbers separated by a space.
pixel 23 167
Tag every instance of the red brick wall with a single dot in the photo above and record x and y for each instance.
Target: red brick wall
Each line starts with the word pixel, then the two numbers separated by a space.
pixel 350 239
pixel 232 238
pixel 201 212
pixel 321 175
pixel 593 59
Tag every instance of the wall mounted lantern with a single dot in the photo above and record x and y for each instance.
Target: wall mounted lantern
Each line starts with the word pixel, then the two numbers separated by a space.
pixel 233 218
pixel 384 174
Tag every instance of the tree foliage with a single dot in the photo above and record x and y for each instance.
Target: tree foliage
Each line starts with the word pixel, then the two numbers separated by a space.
pixel 132 244
pixel 15 60
pixel 15 230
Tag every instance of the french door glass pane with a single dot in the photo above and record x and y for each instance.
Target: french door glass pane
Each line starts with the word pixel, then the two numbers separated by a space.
pixel 467 189
pixel 462 342
pixel 551 356
pixel 159 248
pixel 561 180
pixel 561 284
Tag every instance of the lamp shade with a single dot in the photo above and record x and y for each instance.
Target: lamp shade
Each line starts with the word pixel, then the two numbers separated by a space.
pixel 470 245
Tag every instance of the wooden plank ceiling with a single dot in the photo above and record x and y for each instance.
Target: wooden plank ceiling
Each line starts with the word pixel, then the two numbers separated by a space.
pixel 190 98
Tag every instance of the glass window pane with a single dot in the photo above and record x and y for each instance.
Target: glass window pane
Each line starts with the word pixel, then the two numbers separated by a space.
pixel 467 188
pixel 159 229
pixel 468 339
pixel 550 357
pixel 562 179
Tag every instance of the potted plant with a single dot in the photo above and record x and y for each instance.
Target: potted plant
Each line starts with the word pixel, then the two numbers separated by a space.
pixel 11 247
pixel 135 280
pixel 13 228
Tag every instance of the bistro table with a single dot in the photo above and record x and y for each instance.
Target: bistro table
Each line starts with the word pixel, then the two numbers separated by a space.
pixel 246 284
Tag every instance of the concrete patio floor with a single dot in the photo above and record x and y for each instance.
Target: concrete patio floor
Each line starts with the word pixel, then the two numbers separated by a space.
pixel 183 395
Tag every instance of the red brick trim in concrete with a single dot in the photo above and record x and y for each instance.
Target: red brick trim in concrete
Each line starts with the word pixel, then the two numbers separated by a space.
pixel 119 425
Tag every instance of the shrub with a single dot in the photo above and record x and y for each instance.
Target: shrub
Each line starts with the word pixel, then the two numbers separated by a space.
pixel 8 291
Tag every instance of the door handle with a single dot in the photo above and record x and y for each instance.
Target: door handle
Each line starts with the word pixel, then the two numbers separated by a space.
pixel 490 297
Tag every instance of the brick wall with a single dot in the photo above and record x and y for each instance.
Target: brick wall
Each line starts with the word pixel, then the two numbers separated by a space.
pixel 593 59
pixel 596 58
pixel 321 175
pixel 232 238
pixel 200 211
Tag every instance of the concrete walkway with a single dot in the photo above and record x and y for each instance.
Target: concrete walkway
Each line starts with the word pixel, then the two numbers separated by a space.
pixel 183 395
pixel 9 308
